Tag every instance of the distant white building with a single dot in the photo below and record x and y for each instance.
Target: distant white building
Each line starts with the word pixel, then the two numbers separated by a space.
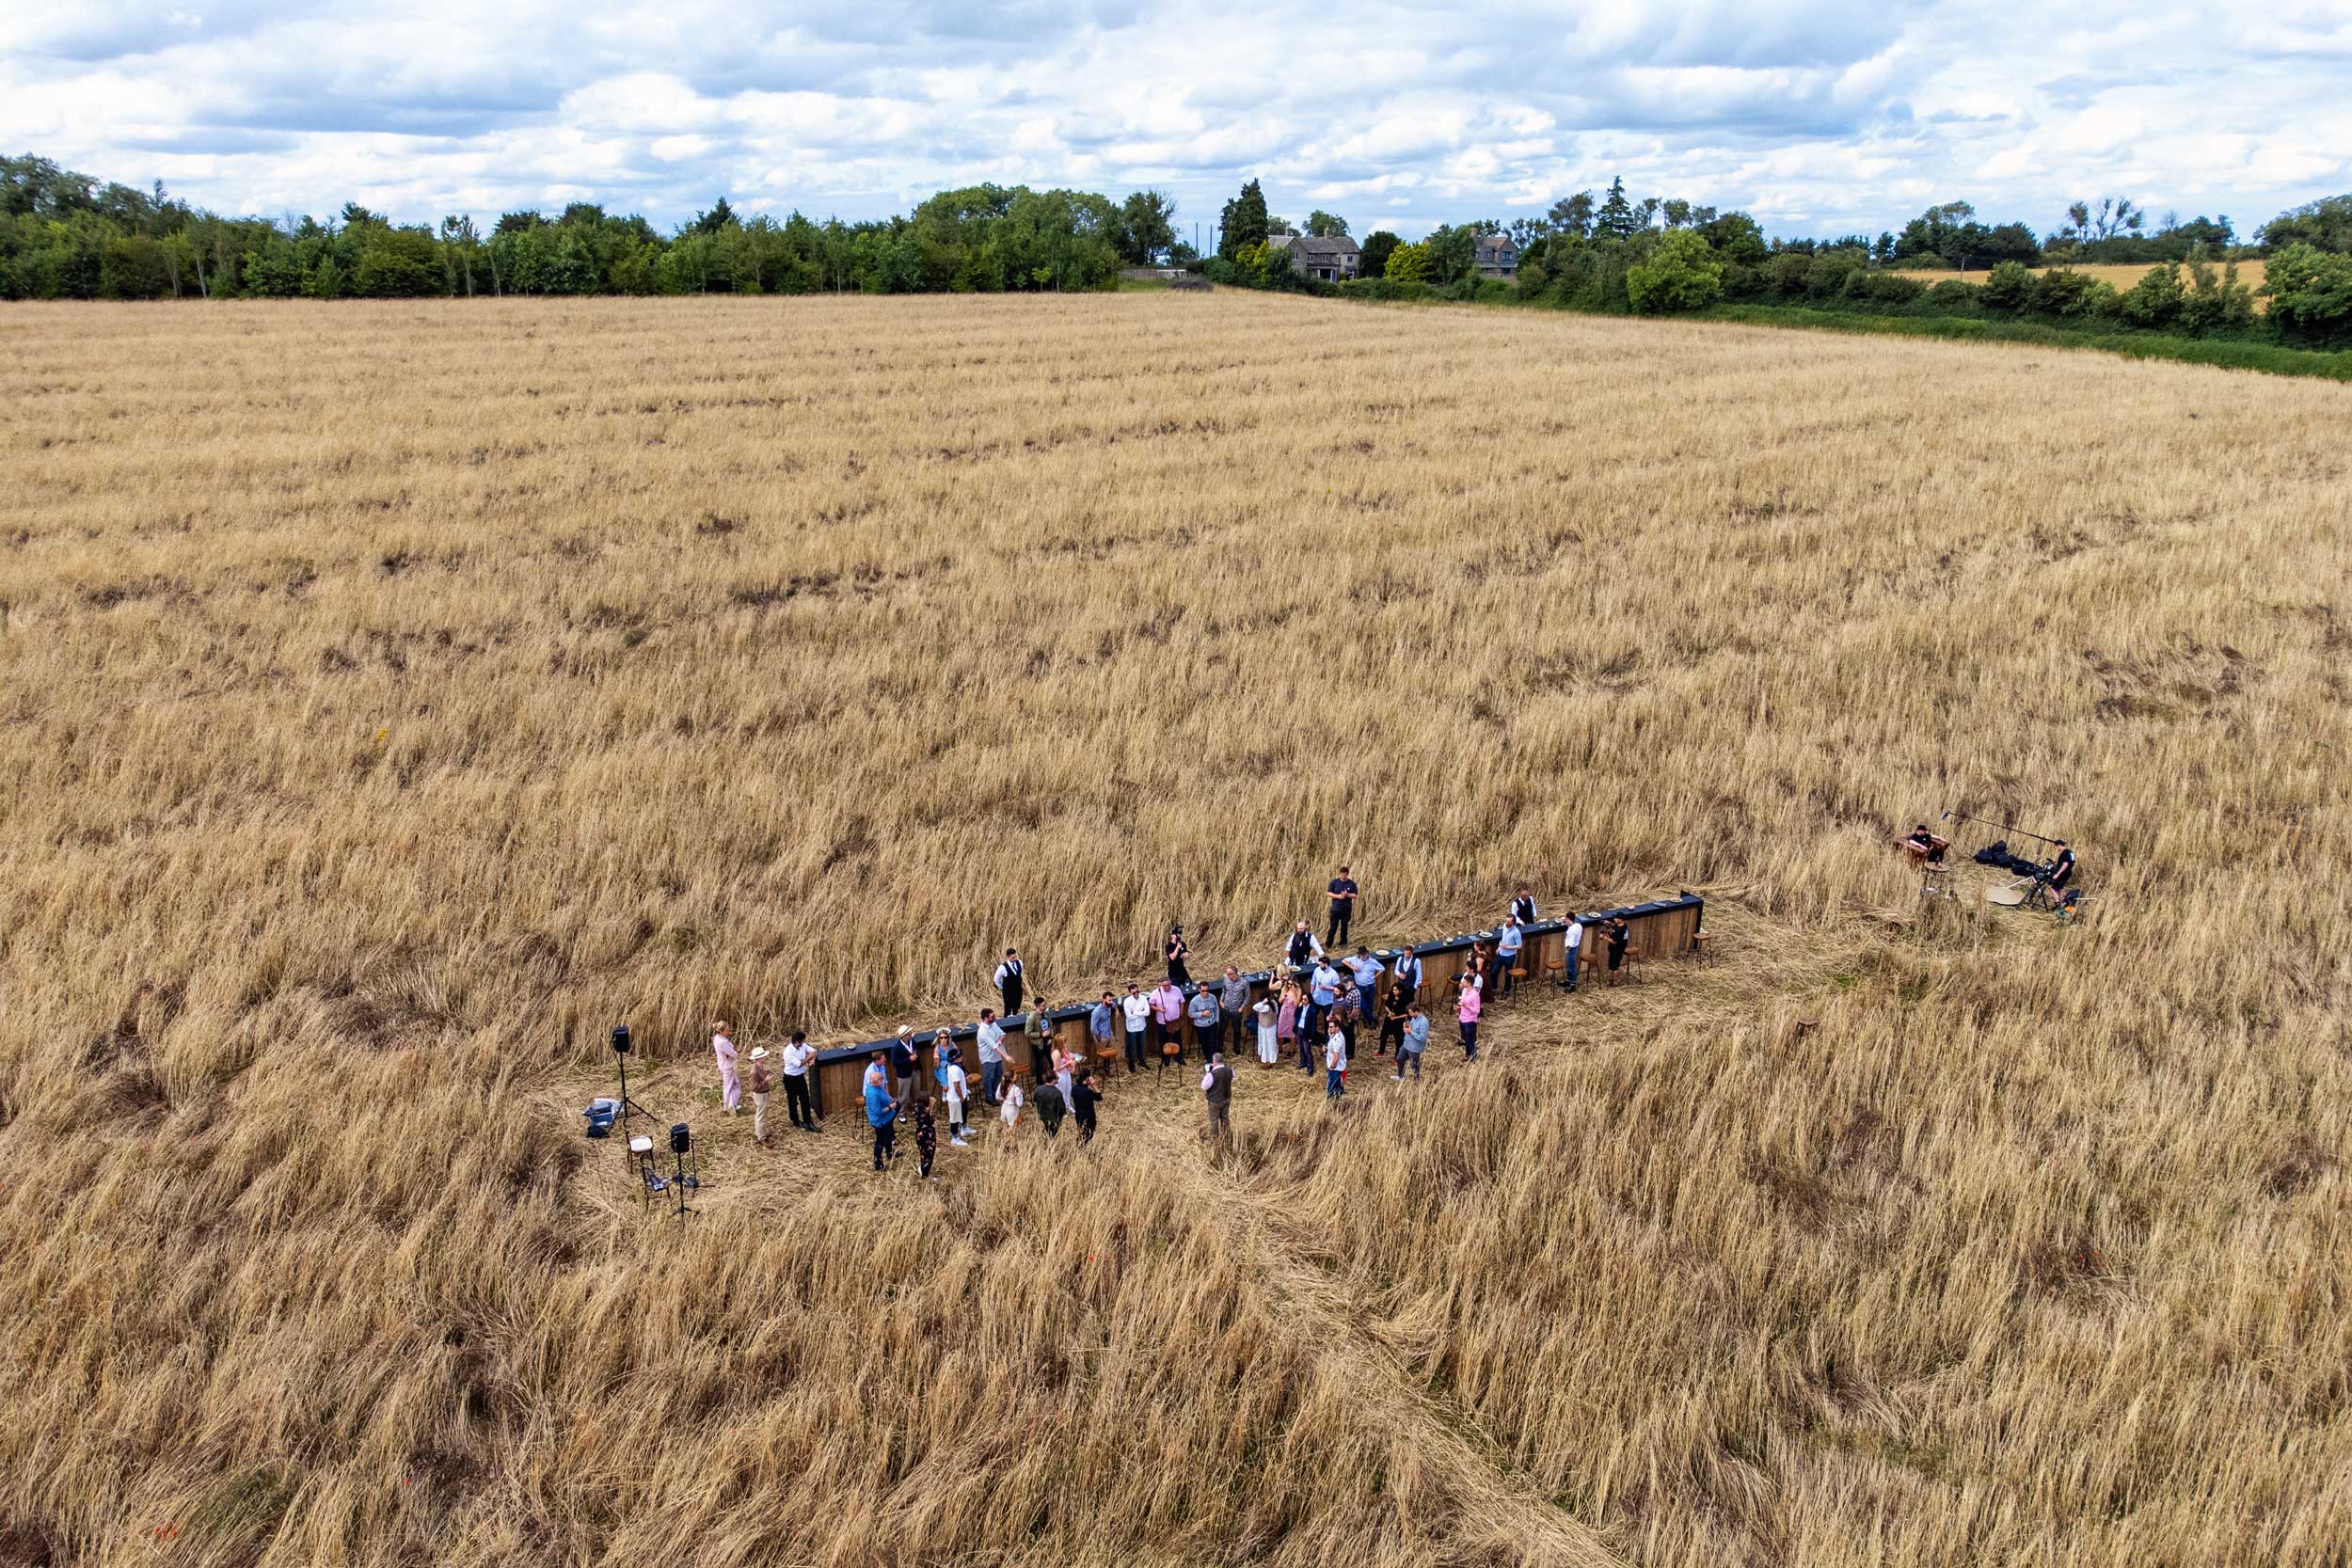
pixel 1333 261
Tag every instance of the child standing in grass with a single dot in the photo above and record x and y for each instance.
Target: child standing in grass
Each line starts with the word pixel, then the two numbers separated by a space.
pixel 1010 1106
pixel 1050 1102
pixel 953 1086
pixel 926 1135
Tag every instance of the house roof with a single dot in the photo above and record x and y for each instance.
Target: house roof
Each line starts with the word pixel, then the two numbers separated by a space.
pixel 1495 244
pixel 1315 244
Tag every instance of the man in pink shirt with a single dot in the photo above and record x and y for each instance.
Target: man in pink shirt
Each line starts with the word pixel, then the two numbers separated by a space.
pixel 1466 1013
pixel 1168 1011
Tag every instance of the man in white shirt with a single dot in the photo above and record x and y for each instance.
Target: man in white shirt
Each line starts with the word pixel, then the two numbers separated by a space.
pixel 1134 1010
pixel 1334 1065
pixel 798 1057
pixel 990 1037
pixel 1007 978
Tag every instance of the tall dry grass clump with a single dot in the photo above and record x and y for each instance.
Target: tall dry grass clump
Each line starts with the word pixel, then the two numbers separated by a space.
pixel 395 697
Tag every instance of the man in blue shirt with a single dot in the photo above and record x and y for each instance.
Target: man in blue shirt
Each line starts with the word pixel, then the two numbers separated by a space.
pixel 1208 1021
pixel 1365 971
pixel 1102 1021
pixel 1508 942
pixel 882 1114
pixel 1416 1041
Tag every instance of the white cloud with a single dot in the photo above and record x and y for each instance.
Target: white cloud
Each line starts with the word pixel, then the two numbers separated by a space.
pixel 1819 115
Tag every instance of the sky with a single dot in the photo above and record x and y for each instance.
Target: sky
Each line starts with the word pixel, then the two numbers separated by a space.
pixel 1818 118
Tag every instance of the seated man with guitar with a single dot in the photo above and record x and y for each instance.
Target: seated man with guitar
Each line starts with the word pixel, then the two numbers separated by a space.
pixel 1924 844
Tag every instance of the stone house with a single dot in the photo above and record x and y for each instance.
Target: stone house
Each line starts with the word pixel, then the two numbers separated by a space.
pixel 1496 257
pixel 1333 261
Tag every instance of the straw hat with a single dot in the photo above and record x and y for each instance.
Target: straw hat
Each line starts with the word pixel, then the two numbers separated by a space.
pixel 905 1030
pixel 758 1051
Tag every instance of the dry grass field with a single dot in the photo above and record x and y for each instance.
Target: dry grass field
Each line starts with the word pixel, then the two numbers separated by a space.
pixel 2119 276
pixel 393 698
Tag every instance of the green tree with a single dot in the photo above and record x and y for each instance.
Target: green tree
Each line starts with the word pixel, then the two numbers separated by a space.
pixel 2311 295
pixel 1616 218
pixel 2064 291
pixel 1376 250
pixel 2215 302
pixel 1572 215
pixel 1145 227
pixel 1735 237
pixel 2323 224
pixel 1243 222
pixel 1407 264
pixel 1450 253
pixel 1680 272
pixel 2153 303
pixel 719 218
pixel 1326 225
pixel 2008 288
pixel 396 263
pixel 460 246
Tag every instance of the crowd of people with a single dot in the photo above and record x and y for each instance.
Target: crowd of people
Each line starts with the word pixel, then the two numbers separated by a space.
pixel 1323 1012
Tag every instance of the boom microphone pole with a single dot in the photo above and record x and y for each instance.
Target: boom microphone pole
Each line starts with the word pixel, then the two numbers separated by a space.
pixel 2003 826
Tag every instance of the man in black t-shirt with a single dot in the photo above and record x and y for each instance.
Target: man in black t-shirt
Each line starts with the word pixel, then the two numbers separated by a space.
pixel 2062 869
pixel 1924 844
pixel 1617 933
pixel 1343 893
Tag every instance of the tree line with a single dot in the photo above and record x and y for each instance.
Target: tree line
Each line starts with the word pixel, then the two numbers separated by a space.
pixel 1613 253
pixel 66 235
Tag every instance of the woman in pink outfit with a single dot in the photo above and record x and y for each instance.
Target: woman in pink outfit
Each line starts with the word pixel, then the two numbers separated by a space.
pixel 1466 1013
pixel 730 1085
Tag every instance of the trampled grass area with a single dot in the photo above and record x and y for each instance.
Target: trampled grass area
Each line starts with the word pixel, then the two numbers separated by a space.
pixel 397 696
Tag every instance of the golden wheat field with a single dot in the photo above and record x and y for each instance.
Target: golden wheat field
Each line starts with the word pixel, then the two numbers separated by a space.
pixel 395 697
pixel 2124 275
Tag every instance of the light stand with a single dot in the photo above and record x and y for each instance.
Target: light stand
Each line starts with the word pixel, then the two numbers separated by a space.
pixel 681 1180
pixel 629 1106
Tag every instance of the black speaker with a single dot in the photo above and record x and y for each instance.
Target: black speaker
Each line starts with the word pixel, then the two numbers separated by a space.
pixel 620 1038
pixel 678 1137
